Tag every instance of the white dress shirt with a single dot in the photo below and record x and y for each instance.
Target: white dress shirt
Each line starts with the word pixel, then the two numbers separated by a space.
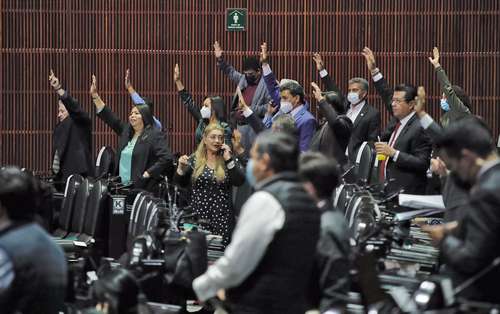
pixel 354 111
pixel 261 217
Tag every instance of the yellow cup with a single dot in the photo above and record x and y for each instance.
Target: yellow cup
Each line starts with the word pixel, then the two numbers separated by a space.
pixel 381 157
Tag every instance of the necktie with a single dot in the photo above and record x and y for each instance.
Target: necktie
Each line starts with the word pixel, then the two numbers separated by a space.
pixel 383 163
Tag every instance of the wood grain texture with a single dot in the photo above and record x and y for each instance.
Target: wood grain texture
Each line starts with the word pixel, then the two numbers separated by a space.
pixel 80 37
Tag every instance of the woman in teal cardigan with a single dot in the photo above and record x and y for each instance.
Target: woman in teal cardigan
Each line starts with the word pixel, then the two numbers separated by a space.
pixel 213 110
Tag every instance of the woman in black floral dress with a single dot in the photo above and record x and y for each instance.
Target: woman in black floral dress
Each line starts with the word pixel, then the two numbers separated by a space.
pixel 212 176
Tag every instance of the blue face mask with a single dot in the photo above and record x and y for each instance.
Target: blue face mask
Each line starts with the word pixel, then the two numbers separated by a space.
pixel 444 104
pixel 249 173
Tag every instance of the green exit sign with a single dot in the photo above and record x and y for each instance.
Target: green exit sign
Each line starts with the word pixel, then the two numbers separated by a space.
pixel 236 19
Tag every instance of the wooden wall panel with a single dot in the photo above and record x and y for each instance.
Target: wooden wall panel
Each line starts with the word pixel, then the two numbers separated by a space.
pixel 80 37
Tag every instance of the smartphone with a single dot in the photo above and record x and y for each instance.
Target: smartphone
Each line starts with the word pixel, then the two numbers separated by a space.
pixel 220 152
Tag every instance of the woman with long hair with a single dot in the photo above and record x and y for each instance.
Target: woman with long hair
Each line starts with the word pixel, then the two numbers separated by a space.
pixel 212 110
pixel 143 153
pixel 212 172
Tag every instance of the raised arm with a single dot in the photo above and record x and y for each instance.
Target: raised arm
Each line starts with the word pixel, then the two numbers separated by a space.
pixel 455 103
pixel 75 110
pixel 186 97
pixel 225 67
pixel 103 111
pixel 383 89
pixel 136 98
pixel 325 77
pixel 269 77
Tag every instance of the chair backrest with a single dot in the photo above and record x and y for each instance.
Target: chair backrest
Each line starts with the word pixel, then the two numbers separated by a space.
pixel 139 224
pixel 95 215
pixel 136 208
pixel 364 163
pixel 105 162
pixel 80 208
pixel 68 202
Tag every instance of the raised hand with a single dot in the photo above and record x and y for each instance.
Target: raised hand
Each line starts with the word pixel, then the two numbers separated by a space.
pixel 183 164
pixel 420 102
pixel 370 59
pixel 317 92
pixel 264 55
pixel 435 60
pixel 127 79
pixel 320 65
pixel 177 73
pixel 54 81
pixel 93 87
pixel 217 50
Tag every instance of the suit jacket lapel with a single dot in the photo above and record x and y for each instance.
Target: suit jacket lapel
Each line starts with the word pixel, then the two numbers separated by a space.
pixel 360 116
pixel 405 129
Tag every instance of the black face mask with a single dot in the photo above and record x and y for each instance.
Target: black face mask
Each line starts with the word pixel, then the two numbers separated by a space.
pixel 251 79
pixel 459 182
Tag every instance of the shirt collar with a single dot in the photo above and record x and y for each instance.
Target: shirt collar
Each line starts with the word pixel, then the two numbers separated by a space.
pixel 487 166
pixel 358 106
pixel 296 110
pixel 405 120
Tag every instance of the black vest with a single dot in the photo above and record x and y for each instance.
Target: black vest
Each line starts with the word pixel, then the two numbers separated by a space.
pixel 279 282
pixel 39 271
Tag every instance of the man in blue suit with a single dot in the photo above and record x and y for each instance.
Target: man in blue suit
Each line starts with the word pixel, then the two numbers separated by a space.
pixel 289 96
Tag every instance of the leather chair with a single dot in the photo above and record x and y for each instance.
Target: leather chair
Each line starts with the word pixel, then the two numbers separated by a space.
pixel 79 211
pixel 364 164
pixel 67 206
pixel 105 162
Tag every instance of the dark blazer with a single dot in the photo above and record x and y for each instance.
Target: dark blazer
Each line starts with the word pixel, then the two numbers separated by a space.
pixel 333 136
pixel 151 152
pixel 73 140
pixel 477 242
pixel 410 170
pixel 366 127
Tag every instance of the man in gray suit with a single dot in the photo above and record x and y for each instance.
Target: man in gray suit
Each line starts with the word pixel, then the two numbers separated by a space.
pixel 253 90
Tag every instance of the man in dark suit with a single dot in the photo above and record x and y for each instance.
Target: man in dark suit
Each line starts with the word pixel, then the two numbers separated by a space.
pixel 72 137
pixel 473 244
pixel 405 144
pixel 365 118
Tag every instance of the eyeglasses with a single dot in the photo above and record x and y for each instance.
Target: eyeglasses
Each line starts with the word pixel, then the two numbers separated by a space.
pixel 399 101
pixel 216 137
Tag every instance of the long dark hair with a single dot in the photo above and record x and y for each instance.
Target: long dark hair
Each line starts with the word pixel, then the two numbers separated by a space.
pixel 218 108
pixel 118 288
pixel 147 119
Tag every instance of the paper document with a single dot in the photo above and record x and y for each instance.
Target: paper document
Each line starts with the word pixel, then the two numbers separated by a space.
pixel 421 201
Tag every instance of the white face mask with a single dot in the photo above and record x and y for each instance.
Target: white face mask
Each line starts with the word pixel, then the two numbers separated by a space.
pixel 205 112
pixel 353 98
pixel 286 106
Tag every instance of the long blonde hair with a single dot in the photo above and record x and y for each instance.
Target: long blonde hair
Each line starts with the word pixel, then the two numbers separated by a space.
pixel 201 156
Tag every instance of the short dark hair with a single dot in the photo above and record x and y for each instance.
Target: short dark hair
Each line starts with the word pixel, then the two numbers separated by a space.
pixel 468 133
pixel 322 171
pixel 251 63
pixel 283 150
pixel 19 193
pixel 294 88
pixel 410 91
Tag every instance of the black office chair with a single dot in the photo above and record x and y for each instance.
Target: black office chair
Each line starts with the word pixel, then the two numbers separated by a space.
pixel 105 162
pixel 67 206
pixel 79 211
pixel 364 163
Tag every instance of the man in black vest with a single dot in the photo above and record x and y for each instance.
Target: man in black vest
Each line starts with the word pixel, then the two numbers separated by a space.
pixel 32 266
pixel 267 266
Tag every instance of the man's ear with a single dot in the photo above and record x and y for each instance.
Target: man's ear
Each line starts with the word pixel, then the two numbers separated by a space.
pixel 267 160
